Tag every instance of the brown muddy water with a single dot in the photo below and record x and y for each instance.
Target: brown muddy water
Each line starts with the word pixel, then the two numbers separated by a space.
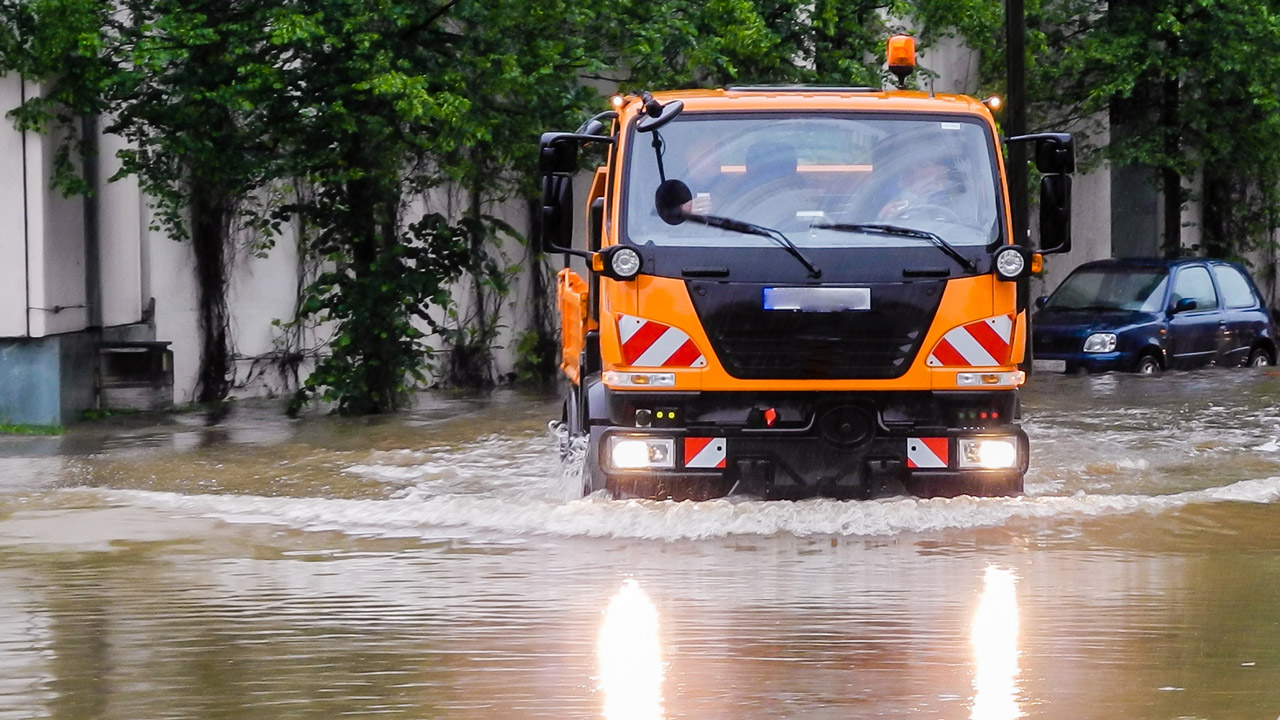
pixel 438 565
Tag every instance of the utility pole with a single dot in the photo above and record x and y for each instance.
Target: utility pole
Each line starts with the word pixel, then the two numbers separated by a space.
pixel 1015 27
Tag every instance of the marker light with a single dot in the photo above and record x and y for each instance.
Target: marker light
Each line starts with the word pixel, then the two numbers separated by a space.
pixel 617 101
pixel 1100 343
pixel 990 379
pixel 632 453
pixel 613 378
pixel 987 453
pixel 1011 263
pixel 993 103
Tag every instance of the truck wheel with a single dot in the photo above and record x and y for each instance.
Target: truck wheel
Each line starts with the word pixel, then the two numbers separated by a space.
pixel 1148 364
pixel 1260 358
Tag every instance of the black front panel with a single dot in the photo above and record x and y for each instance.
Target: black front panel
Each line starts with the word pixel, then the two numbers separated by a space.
pixel 757 344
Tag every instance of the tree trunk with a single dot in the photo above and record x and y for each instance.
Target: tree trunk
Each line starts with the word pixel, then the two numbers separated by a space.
pixel 210 228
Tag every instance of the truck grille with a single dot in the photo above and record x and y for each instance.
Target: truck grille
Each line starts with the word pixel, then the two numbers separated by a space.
pixel 755 344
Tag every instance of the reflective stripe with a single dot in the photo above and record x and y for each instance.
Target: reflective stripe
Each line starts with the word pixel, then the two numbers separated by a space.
pixel 704 452
pixel 927 452
pixel 651 344
pixel 985 343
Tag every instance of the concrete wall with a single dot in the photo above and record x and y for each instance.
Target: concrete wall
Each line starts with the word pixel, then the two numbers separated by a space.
pixel 31 387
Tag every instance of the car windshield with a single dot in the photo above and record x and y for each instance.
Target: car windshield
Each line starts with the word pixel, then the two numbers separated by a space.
pixel 797 173
pixel 1103 289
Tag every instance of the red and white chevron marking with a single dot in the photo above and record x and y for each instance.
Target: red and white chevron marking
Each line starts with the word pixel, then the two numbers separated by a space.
pixel 927 453
pixel 980 344
pixel 646 343
pixel 706 453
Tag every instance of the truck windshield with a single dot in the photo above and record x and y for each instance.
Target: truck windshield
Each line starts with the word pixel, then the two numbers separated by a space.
pixel 799 173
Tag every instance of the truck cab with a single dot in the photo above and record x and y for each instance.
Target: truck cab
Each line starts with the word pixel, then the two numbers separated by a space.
pixel 797 292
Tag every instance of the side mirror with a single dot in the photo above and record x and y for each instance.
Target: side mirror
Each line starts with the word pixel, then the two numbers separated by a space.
pixel 557 153
pixel 1183 305
pixel 1042 301
pixel 1055 153
pixel 670 199
pixel 657 115
pixel 557 214
pixel 1055 214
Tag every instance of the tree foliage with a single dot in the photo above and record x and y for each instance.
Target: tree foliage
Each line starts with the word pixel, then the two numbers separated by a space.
pixel 1189 91
pixel 349 119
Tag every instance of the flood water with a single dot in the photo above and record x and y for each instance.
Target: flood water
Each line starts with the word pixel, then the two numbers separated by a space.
pixel 439 565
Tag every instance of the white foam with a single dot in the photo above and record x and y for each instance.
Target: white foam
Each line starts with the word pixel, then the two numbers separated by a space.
pixel 414 513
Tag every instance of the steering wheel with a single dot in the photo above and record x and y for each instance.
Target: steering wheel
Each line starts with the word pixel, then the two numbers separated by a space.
pixel 928 211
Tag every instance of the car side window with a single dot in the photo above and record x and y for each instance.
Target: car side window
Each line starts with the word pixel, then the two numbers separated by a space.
pixel 1236 292
pixel 1193 282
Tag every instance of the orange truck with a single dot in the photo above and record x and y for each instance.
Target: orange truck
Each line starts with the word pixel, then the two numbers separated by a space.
pixel 797 291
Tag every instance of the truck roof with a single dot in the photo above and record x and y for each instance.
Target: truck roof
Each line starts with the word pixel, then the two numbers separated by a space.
pixel 796 97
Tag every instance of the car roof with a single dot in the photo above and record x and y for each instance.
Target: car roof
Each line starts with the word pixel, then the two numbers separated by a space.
pixel 1138 263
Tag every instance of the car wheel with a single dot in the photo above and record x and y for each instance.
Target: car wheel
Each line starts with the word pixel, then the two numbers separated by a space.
pixel 1260 358
pixel 1148 364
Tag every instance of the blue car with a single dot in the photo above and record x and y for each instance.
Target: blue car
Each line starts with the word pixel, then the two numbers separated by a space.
pixel 1146 316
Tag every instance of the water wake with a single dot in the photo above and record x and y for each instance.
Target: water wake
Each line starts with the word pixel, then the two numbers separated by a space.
pixel 414 513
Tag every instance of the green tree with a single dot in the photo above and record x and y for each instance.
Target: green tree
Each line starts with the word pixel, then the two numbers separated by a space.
pixel 1188 93
pixel 176 79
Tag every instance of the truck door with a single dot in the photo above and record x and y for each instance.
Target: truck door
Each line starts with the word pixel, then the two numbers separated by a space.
pixel 1194 334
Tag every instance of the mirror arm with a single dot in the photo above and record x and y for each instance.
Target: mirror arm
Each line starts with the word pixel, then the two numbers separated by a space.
pixel 555 138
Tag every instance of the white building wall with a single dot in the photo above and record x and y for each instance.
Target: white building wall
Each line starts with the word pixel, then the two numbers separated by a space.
pixel 13 236
pixel 124 296
pixel 56 252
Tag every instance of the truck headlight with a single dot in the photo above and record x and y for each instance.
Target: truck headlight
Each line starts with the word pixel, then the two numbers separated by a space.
pixel 618 262
pixel 1011 263
pixel 637 453
pixel 1100 343
pixel 988 453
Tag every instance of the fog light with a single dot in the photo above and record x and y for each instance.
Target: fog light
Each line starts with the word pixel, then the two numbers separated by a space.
pixel 1100 343
pixel 632 453
pixel 988 453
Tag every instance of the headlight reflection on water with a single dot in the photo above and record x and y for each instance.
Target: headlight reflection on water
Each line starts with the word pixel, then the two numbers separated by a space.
pixel 995 648
pixel 630 658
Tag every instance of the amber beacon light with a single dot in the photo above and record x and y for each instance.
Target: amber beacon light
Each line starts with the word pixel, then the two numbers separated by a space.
pixel 902 57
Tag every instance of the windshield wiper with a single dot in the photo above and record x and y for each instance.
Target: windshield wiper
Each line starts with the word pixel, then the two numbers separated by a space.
pixel 747 228
pixel 899 231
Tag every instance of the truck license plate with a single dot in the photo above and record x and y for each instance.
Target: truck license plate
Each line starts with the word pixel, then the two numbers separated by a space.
pixel 820 299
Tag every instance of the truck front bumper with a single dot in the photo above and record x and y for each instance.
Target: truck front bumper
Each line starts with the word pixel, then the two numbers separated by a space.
pixel 683 463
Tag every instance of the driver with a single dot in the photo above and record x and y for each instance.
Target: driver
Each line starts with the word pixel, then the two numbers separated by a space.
pixel 928 183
